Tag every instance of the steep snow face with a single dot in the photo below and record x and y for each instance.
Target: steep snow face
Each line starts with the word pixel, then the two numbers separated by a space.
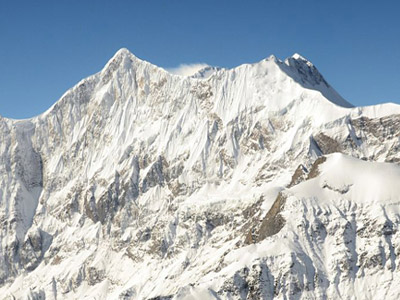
pixel 306 74
pixel 140 184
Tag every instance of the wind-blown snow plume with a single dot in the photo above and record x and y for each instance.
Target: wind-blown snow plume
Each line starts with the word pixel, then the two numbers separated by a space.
pixel 187 69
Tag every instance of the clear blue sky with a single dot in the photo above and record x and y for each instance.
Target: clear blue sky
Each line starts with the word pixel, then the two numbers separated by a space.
pixel 48 46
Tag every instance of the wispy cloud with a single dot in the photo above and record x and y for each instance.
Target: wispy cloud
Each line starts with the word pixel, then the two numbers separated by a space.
pixel 187 69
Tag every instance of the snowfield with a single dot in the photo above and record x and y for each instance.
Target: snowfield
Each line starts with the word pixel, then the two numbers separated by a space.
pixel 256 182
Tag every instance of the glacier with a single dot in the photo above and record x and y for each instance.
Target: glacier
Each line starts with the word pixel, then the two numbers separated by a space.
pixel 256 182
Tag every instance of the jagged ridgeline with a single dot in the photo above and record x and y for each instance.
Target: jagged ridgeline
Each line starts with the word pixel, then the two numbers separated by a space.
pixel 250 183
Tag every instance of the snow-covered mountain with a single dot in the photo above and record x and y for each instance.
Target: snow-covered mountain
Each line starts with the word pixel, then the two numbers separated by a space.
pixel 257 182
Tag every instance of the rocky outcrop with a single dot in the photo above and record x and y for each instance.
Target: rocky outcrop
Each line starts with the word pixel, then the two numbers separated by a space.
pixel 327 144
pixel 298 176
pixel 273 221
pixel 314 171
pixel 271 224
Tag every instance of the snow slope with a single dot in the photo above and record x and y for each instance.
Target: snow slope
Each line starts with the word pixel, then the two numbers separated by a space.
pixel 140 184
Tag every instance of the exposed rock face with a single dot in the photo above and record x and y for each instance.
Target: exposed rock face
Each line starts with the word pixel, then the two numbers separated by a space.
pixel 272 223
pixel 314 172
pixel 380 130
pixel 326 144
pixel 299 175
pixel 138 184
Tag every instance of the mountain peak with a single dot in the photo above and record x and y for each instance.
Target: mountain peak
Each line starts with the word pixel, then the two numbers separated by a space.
pixel 299 60
pixel 306 73
pixel 123 59
pixel 121 55
pixel 123 52
pixel 298 56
